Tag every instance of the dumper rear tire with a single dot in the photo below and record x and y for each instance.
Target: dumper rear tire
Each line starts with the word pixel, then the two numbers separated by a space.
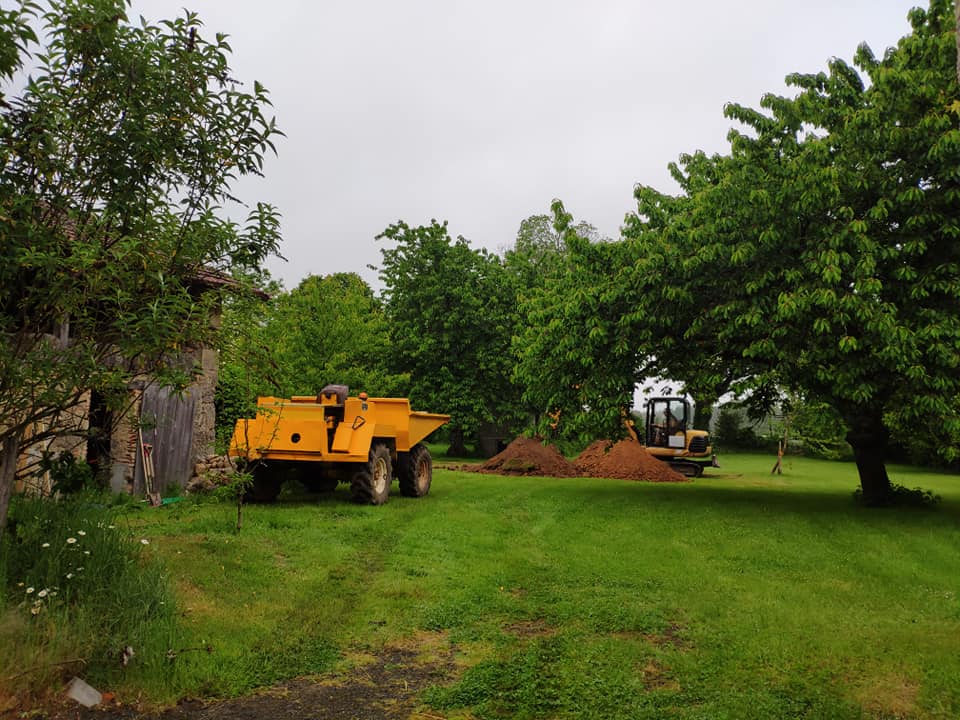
pixel 415 471
pixel 371 482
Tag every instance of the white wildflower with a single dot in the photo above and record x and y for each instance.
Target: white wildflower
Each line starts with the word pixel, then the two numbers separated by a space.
pixel 80 532
pixel 43 593
pixel 45 545
pixel 86 552
pixel 69 575
pixel 144 541
pixel 71 540
pixel 29 590
pixel 35 610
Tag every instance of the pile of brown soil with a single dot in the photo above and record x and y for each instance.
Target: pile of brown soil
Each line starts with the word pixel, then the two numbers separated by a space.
pixel 529 456
pixel 626 460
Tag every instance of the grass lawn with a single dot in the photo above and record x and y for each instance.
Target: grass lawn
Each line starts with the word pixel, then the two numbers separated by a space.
pixel 740 595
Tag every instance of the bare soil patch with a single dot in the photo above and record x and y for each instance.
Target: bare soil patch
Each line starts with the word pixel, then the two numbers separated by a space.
pixel 385 686
pixel 531 628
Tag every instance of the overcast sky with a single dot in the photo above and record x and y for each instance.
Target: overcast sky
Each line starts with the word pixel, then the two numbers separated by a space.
pixel 481 113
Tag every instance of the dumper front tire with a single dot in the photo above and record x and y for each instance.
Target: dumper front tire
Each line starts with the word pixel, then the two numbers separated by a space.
pixel 415 471
pixel 371 482
pixel 266 485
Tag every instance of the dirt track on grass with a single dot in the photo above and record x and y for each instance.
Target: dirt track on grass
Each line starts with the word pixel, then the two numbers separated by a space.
pixel 381 687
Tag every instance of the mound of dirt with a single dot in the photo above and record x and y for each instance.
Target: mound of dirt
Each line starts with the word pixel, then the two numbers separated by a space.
pixel 529 456
pixel 625 460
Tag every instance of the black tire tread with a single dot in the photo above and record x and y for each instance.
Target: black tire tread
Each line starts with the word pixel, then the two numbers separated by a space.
pixel 362 489
pixel 410 464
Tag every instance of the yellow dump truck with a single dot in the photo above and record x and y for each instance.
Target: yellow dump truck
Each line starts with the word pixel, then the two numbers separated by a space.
pixel 330 438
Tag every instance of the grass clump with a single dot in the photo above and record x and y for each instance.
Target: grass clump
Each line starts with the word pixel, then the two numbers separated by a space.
pixel 901 496
pixel 77 590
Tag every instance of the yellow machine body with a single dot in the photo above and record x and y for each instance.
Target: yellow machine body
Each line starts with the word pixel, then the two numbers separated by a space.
pixel 328 428
pixel 669 437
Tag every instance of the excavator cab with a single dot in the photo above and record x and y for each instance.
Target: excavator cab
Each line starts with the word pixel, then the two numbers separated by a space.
pixel 669 436
pixel 667 422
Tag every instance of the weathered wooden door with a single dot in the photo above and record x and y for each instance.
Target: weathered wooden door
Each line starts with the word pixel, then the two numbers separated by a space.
pixel 167 422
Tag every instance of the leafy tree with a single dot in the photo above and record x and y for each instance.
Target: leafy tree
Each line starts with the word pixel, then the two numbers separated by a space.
pixel 329 329
pixel 576 365
pixel 450 312
pixel 113 161
pixel 819 428
pixel 821 255
pixel 537 253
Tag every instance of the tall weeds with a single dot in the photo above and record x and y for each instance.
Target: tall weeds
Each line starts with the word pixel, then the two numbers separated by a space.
pixel 81 595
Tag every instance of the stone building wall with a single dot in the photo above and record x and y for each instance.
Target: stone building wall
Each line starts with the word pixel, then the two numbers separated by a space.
pixel 205 418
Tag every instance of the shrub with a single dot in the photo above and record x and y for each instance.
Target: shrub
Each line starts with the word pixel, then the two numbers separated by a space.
pixel 733 431
pixel 68 474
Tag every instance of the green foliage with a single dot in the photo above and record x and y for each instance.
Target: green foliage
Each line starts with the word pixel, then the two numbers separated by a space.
pixel 68 475
pixel 328 329
pixel 450 312
pixel 114 161
pixel 820 254
pixel 78 587
pixel 901 496
pixel 15 37
pixel 820 430
pixel 331 330
pixel 576 365
pixel 733 431
pixel 538 252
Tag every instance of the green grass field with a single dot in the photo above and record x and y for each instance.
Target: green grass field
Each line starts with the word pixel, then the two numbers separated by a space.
pixel 741 595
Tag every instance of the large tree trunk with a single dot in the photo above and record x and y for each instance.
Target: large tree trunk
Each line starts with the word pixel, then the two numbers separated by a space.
pixel 9 454
pixel 868 437
pixel 458 446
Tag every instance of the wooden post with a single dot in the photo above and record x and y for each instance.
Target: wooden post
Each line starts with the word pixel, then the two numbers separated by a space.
pixel 777 468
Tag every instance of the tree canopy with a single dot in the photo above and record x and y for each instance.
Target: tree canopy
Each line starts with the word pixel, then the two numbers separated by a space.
pixel 329 329
pixel 820 255
pixel 576 370
pixel 451 313
pixel 115 160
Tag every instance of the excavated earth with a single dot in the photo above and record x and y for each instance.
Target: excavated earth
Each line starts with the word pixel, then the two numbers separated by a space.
pixel 625 460
pixel 529 456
